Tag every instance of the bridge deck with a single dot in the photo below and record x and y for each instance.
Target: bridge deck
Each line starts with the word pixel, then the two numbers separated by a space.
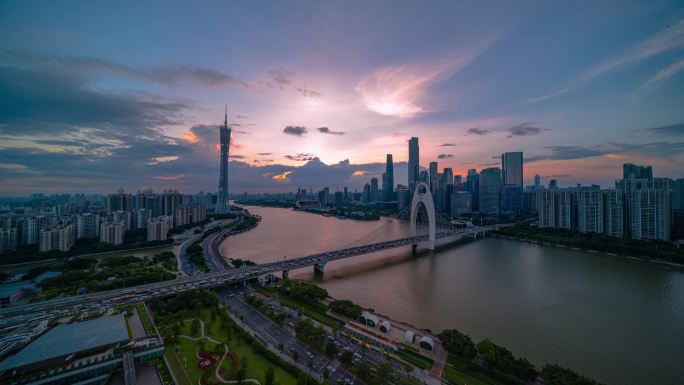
pixel 60 306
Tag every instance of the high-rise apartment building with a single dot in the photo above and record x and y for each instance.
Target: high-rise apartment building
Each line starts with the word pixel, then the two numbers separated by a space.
pixel 57 238
pixel 650 214
pixel 633 171
pixel 546 207
pixel 88 226
pixel 613 214
pixel 158 228
pixel 589 210
pixel 678 194
pixel 112 232
pixel 120 201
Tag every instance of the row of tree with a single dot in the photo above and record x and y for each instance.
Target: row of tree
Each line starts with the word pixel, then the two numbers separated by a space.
pixel 503 361
pixel 303 291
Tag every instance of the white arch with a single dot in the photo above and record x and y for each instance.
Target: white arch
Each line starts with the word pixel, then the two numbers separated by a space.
pixel 426 199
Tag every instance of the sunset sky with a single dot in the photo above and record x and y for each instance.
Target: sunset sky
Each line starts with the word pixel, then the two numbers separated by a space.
pixel 95 95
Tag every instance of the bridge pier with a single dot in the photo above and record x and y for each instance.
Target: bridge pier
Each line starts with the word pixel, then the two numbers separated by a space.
pixel 286 274
pixel 414 247
pixel 319 267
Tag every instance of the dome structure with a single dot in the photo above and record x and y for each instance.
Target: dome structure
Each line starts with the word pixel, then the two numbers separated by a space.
pixel 426 343
pixel 369 319
pixel 385 326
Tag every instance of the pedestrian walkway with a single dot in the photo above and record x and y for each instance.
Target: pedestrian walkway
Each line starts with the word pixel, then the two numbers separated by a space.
pixel 220 362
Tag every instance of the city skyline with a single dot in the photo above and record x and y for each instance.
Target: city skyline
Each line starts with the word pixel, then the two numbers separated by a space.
pixel 313 99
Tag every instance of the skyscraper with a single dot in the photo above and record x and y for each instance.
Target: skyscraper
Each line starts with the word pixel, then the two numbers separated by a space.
pixel 388 180
pixel 490 191
pixel 433 168
pixel 222 204
pixel 512 180
pixel 537 182
pixel 473 185
pixel 413 164
pixel 374 190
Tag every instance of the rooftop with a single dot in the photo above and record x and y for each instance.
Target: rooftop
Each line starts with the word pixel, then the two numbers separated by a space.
pixel 9 289
pixel 69 339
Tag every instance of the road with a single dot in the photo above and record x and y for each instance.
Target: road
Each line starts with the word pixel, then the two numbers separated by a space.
pixel 271 333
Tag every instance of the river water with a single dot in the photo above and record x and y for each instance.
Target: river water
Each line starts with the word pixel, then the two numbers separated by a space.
pixel 616 320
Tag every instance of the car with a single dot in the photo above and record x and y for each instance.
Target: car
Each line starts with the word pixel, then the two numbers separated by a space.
pixel 308 354
pixel 291 349
pixel 331 338
pixel 349 381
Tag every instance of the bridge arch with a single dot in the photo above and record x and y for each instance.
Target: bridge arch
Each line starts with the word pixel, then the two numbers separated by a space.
pixel 423 196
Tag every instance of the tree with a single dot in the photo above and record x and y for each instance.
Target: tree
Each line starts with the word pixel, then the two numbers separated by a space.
pixel 363 370
pixel 458 343
pixel 557 375
pixel 269 376
pixel 346 358
pixel 295 355
pixel 281 346
pixel 330 349
pixel 326 373
pixel 384 374
pixel 347 308
pixel 301 379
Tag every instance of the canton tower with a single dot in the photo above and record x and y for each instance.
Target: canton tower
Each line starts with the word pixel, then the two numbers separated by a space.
pixel 222 204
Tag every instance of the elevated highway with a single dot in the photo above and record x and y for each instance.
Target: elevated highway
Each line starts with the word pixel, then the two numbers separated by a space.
pixel 101 300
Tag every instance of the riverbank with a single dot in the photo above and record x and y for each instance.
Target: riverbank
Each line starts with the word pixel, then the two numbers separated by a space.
pixel 573 248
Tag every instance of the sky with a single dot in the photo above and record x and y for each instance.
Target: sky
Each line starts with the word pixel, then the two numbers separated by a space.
pixel 97 95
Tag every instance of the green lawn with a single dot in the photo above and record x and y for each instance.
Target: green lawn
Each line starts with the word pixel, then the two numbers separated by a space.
pixel 415 358
pixel 456 377
pixel 190 375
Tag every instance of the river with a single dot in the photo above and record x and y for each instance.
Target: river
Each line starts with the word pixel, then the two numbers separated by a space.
pixel 615 320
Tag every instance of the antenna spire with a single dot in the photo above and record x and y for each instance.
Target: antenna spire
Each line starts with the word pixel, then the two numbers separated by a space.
pixel 225 122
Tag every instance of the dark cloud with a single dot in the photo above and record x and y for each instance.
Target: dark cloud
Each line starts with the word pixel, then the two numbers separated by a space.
pixel 301 157
pixel 489 164
pixel 41 102
pixel 671 130
pixel 280 78
pixel 295 130
pixel 479 131
pixel 444 156
pixel 309 93
pixel 236 156
pixel 171 75
pixel 265 153
pixel 326 130
pixel 667 149
pixel 524 129
pixel 448 145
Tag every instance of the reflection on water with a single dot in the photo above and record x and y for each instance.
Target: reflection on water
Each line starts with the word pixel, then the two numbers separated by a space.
pixel 615 320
